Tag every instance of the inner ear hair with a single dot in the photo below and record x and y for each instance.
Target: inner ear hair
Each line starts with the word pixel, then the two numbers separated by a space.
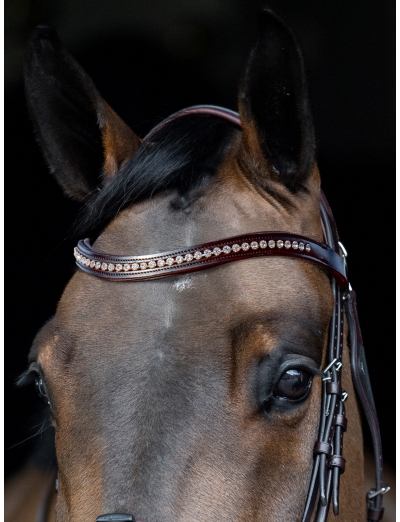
pixel 119 141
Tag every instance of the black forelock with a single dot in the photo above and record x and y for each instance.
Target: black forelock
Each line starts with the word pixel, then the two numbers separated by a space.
pixel 179 155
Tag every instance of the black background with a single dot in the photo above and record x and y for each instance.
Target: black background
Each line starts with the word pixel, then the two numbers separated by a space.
pixel 151 58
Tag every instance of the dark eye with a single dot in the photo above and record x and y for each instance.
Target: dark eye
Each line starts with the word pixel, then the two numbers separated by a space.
pixel 40 387
pixel 294 384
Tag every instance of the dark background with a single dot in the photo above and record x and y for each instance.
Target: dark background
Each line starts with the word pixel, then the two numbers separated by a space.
pixel 151 58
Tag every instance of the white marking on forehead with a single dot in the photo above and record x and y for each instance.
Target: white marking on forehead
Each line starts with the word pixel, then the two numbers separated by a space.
pixel 183 282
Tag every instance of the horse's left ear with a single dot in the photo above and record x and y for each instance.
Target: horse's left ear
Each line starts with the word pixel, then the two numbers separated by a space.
pixel 274 106
pixel 83 140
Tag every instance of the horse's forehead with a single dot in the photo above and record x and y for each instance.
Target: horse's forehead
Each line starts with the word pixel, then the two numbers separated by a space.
pixel 229 205
pixel 199 305
pixel 218 298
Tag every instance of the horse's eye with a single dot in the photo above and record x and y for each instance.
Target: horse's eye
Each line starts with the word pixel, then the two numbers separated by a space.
pixel 294 384
pixel 40 388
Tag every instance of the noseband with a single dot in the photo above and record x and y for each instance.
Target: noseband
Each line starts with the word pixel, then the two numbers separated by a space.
pixel 329 463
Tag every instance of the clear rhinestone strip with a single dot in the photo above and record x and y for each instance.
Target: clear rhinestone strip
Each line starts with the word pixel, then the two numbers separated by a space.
pixel 145 265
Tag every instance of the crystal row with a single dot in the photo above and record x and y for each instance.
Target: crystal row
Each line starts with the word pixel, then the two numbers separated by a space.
pixel 187 258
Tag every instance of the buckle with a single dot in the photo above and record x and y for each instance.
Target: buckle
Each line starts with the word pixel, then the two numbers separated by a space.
pixel 372 493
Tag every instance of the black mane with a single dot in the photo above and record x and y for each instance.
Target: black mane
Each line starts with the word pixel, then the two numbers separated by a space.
pixel 179 155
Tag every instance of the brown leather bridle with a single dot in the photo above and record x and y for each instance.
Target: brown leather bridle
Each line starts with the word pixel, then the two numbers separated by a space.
pixel 329 463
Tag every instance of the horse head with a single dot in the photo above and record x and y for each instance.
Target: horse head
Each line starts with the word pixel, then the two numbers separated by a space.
pixel 197 396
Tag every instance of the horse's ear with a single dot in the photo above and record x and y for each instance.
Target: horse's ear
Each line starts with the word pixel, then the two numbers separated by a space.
pixel 83 140
pixel 274 106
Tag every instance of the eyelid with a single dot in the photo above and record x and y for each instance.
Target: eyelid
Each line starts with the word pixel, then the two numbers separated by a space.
pixel 28 377
pixel 295 364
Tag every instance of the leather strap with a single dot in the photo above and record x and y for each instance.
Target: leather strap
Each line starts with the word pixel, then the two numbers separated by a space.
pixel 325 478
pixel 212 110
pixel 375 514
pixel 116 517
pixel 175 262
pixel 363 387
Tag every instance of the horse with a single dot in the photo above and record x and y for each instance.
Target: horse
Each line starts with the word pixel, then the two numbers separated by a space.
pixel 178 393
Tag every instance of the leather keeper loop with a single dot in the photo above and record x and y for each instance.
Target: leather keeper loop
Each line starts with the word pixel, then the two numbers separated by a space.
pixel 323 447
pixel 375 514
pixel 341 420
pixel 334 388
pixel 336 461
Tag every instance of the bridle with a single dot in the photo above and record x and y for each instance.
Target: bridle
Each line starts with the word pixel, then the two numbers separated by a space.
pixel 329 463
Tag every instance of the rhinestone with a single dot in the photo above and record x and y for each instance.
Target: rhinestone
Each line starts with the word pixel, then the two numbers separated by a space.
pixel 301 246
pixel 135 266
pixel 92 263
pixel 78 257
pixel 245 246
pixel 143 265
pixel 104 266
pixel 308 247
pixel 179 259
pixel 98 265
pixel 295 245
pixel 189 257
pixel 217 251
pixel 111 267
pixel 170 261
pixel 207 253
pixel 118 267
pixel 161 263
pixel 152 264
pixel 254 245
pixel 263 244
pixel 271 243
pixel 198 255
pixel 288 244
pixel 236 248
pixel 88 261
pixel 127 267
pixel 227 249
pixel 82 260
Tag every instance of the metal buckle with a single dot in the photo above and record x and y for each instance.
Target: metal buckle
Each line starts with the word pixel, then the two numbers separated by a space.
pixel 330 365
pixel 372 493
pixel 344 396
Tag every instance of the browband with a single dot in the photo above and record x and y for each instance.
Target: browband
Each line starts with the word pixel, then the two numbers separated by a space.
pixel 206 255
pixel 328 460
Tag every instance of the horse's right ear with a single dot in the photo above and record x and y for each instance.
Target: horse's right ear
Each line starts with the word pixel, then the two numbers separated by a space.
pixel 83 140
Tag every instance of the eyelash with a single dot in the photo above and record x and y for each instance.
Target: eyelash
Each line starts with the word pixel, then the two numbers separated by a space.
pixel 33 376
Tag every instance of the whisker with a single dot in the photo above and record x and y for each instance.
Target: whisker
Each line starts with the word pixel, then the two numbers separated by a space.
pixel 41 430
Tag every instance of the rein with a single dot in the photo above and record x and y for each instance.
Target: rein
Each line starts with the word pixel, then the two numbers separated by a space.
pixel 329 463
